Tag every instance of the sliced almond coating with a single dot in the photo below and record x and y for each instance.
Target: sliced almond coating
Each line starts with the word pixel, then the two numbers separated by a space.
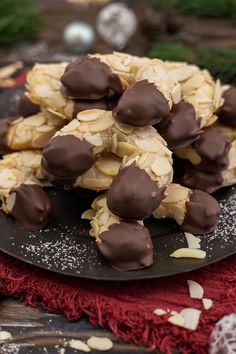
pixel 100 343
pixel 191 318
pixel 35 120
pixel 124 128
pixel 193 241
pixel 79 345
pixel 148 145
pixel 195 290
pixel 207 303
pixel 124 149
pixel 71 126
pixel 4 335
pixel 188 253
pixel 176 94
pixel 159 312
pixel 161 166
pixel 7 179
pixel 98 125
pixel 176 193
pixel 10 202
pixel 176 320
pixel 88 214
pixel 90 115
pixel 95 139
pixel 108 165
pixel 42 90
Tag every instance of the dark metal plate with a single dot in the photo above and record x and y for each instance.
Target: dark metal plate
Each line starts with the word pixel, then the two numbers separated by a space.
pixel 64 246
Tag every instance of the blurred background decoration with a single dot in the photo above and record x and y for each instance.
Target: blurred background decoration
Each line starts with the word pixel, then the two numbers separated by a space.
pixel 198 31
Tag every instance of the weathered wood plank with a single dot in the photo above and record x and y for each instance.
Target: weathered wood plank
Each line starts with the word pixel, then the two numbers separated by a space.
pixel 36 331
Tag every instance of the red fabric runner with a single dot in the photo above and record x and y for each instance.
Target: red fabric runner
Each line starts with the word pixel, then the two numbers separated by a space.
pixel 126 308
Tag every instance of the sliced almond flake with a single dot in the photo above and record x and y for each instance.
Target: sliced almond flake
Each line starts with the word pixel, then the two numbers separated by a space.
pixel 100 343
pixel 176 193
pixel 161 166
pixel 88 214
pixel 159 312
pixel 71 126
pixel 193 241
pixel 148 145
pixel 90 115
pixel 176 94
pixel 207 303
pixel 79 345
pixel 95 139
pixel 4 335
pixel 62 351
pixel 191 318
pixel 195 289
pixel 173 312
pixel 176 320
pixel 42 90
pixel 108 165
pixel 188 253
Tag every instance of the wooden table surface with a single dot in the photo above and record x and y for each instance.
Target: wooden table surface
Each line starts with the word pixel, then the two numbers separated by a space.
pixel 36 331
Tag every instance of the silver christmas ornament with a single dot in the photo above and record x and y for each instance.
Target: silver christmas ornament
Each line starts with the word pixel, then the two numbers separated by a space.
pixel 78 37
pixel 223 336
pixel 116 23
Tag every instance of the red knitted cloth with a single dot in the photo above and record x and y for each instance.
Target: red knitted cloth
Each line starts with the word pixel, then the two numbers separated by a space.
pixel 127 308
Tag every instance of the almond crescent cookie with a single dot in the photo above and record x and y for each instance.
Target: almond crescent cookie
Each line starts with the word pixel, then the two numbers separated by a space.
pixel 146 170
pixel 21 189
pixel 198 88
pixel 27 133
pixel 214 151
pixel 150 98
pixel 125 244
pixel 75 148
pixel 194 210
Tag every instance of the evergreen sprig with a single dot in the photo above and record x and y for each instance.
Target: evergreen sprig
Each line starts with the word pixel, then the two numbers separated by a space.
pixel 201 8
pixel 19 21
pixel 220 62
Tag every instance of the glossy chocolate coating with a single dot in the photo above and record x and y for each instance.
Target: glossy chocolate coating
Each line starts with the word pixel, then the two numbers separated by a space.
pixel 32 207
pixel 227 114
pixel 180 127
pixel 26 107
pixel 206 181
pixel 89 78
pixel 84 105
pixel 4 126
pixel 213 147
pixel 128 246
pixel 133 194
pixel 202 212
pixel 141 105
pixel 67 157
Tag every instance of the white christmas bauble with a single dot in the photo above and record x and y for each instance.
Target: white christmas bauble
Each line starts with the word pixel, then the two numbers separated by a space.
pixel 116 23
pixel 79 37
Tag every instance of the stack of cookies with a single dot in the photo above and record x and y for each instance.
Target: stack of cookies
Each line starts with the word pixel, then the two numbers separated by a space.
pixel 113 123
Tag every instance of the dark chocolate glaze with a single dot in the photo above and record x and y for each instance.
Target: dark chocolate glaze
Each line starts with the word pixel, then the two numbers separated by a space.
pixel 128 246
pixel 89 78
pixel 227 114
pixel 32 208
pixel 4 126
pixel 141 105
pixel 180 127
pixel 26 107
pixel 213 147
pixel 202 213
pixel 206 181
pixel 67 157
pixel 133 194
pixel 83 105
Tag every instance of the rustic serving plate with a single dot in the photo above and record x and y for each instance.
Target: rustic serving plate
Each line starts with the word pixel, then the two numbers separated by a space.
pixel 64 246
